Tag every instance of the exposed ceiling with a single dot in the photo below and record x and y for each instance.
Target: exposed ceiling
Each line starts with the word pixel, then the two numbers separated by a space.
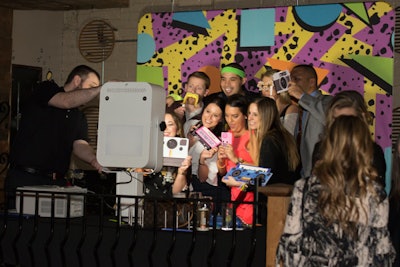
pixel 62 4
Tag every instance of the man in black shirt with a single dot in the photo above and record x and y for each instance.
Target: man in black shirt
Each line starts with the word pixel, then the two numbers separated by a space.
pixel 52 127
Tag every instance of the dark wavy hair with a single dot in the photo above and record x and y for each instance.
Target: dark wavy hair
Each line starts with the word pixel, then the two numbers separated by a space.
pixel 238 101
pixel 220 102
pixel 345 172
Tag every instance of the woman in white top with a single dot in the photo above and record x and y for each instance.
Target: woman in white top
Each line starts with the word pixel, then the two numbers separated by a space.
pixel 204 161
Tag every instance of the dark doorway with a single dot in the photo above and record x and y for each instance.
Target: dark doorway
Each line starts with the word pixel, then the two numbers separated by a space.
pixel 24 79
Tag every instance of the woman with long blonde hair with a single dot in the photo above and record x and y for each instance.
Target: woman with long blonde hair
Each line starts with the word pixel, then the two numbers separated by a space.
pixel 271 145
pixel 346 173
pixel 339 215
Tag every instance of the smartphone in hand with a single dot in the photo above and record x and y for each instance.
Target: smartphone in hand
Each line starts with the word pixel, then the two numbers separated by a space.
pixel 226 138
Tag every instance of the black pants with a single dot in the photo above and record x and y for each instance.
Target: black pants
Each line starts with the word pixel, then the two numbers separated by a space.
pixel 17 178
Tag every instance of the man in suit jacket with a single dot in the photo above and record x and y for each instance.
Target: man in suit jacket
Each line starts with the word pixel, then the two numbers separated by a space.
pixel 304 87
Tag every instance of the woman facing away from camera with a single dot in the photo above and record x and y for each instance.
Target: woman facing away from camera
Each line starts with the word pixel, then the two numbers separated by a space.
pixel 394 202
pixel 339 215
pixel 170 180
pixel 288 111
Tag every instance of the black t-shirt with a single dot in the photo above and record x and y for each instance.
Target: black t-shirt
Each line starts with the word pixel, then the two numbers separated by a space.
pixel 46 134
pixel 249 95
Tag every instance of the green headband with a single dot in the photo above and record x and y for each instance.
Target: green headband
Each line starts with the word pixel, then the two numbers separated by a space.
pixel 233 70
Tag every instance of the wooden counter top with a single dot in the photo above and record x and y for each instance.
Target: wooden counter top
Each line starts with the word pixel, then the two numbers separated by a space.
pixel 275 190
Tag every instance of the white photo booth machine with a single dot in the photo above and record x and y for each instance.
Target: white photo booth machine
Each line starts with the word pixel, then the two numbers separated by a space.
pixel 130 135
pixel 130 117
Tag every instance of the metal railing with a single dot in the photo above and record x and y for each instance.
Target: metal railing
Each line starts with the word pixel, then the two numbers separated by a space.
pixel 81 229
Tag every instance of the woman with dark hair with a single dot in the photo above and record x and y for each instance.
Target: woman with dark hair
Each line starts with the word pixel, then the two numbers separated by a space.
pixel 212 117
pixel 339 215
pixel 231 154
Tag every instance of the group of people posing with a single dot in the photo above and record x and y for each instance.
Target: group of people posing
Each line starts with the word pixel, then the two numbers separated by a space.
pixel 319 143
pixel 259 136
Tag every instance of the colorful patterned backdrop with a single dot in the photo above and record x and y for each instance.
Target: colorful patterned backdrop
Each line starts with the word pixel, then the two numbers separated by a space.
pixel 350 45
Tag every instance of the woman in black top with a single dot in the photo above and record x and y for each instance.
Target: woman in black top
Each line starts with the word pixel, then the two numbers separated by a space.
pixel 271 145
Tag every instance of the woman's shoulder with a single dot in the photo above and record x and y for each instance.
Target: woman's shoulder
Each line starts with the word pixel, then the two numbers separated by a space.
pixel 273 142
pixel 270 138
pixel 274 135
pixel 292 108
